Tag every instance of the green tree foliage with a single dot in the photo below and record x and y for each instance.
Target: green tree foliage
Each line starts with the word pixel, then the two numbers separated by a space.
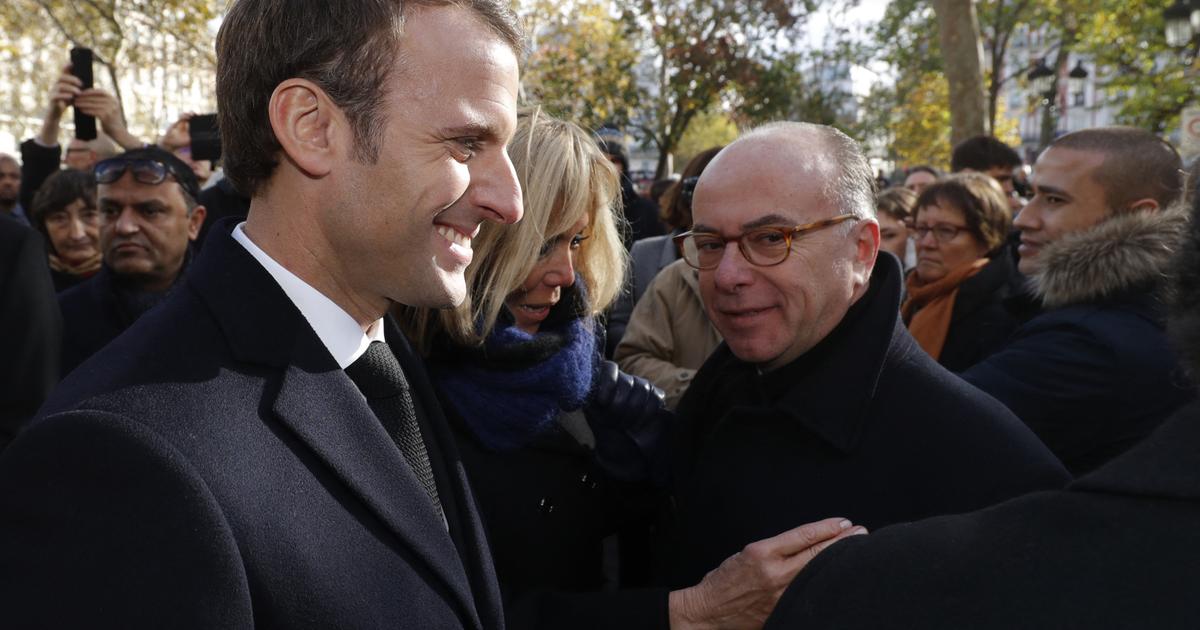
pixel 582 65
pixel 1148 80
pixel 710 128
pixel 695 51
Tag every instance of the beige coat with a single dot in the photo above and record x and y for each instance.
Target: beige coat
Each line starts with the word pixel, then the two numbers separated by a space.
pixel 669 335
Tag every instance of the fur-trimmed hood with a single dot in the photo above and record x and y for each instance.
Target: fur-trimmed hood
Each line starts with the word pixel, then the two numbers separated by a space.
pixel 1126 252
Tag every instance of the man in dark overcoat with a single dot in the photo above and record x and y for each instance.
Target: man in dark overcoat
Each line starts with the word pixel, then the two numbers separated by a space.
pixel 263 449
pixel 819 402
pixel 1116 549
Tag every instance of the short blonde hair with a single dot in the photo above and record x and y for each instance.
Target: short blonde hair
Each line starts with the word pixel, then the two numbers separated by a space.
pixel 563 176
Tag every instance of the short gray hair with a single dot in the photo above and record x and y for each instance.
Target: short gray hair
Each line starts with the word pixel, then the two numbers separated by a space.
pixel 852 190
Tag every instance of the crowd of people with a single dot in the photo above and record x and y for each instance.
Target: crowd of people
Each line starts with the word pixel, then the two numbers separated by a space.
pixel 411 356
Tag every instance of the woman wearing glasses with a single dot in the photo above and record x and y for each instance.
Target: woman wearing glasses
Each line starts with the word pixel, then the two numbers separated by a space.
pixel 64 211
pixel 547 433
pixel 955 307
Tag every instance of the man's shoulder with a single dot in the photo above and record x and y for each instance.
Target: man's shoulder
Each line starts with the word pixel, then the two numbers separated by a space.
pixel 150 363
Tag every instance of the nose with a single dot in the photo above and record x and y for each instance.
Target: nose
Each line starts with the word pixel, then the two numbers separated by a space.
pixel 928 240
pixel 733 269
pixel 497 189
pixel 561 268
pixel 1029 218
pixel 126 222
pixel 76 230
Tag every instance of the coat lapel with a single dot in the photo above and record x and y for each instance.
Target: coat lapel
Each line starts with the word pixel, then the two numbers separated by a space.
pixel 319 403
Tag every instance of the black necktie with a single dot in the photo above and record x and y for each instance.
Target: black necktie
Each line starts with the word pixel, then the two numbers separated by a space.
pixel 378 376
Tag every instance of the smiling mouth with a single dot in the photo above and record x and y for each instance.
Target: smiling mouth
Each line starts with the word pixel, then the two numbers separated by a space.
pixel 454 236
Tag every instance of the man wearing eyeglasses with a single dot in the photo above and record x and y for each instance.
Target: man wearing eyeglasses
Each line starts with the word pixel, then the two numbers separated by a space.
pixel 819 402
pixel 149 217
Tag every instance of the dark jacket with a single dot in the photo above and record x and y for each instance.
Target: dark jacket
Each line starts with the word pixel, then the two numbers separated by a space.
pixel 30 327
pixel 640 213
pixel 547 509
pixel 215 469
pixel 1094 373
pixel 980 324
pixel 865 426
pixel 646 258
pixel 221 200
pixel 549 505
pixel 1117 549
pixel 37 164
pixel 92 317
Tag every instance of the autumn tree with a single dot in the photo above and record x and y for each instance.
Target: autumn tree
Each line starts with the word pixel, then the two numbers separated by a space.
pixel 1149 82
pixel 694 51
pixel 136 44
pixel 582 63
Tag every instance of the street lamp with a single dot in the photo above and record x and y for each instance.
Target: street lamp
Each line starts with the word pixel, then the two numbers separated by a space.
pixel 1077 76
pixel 1041 77
pixel 1179 18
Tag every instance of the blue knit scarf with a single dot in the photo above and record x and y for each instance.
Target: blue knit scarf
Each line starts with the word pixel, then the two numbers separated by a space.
pixel 513 389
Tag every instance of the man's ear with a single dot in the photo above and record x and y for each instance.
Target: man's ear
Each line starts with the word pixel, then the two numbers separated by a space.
pixel 195 220
pixel 866 250
pixel 308 126
pixel 1144 205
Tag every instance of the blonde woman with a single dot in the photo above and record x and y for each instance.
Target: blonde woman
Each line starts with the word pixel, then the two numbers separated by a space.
pixel 545 428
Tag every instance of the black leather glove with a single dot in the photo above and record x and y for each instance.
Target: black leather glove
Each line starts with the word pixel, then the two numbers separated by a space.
pixel 629 418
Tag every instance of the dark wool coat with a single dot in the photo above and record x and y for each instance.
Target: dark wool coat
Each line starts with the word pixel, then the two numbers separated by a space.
pixel 1117 549
pixel 980 324
pixel 1094 373
pixel 92 318
pixel 214 468
pixel 547 509
pixel 30 326
pixel 864 426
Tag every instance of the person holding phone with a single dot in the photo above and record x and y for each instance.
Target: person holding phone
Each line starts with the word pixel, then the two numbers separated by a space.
pixel 42 154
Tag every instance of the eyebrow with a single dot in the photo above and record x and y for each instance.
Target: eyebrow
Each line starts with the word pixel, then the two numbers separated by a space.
pixel 480 129
pixel 1051 190
pixel 769 220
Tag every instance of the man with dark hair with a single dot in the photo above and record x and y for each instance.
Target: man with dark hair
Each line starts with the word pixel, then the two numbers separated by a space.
pixel 1093 373
pixel 990 156
pixel 819 402
pixel 264 448
pixel 1116 549
pixel 148 219
pixel 10 189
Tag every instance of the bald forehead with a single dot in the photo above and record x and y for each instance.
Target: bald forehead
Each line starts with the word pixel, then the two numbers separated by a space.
pixel 9 162
pixel 772 160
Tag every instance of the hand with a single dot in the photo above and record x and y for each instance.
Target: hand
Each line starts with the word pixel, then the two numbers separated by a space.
pixel 614 389
pixel 64 91
pixel 178 135
pixel 742 592
pixel 104 106
pixel 107 109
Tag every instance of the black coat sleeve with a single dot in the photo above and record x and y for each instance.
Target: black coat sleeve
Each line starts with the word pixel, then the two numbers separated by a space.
pixel 37 163
pixel 104 524
pixel 32 327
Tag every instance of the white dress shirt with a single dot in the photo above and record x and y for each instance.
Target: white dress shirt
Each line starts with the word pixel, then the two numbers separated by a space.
pixel 340 334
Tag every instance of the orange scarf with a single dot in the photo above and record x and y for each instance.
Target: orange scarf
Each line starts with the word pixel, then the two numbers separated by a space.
pixel 85 269
pixel 929 306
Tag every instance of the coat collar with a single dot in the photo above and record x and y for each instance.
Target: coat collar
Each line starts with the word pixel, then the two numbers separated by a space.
pixel 1164 465
pixel 1128 252
pixel 829 389
pixel 319 403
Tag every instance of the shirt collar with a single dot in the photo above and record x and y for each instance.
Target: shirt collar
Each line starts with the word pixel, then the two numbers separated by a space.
pixel 337 330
